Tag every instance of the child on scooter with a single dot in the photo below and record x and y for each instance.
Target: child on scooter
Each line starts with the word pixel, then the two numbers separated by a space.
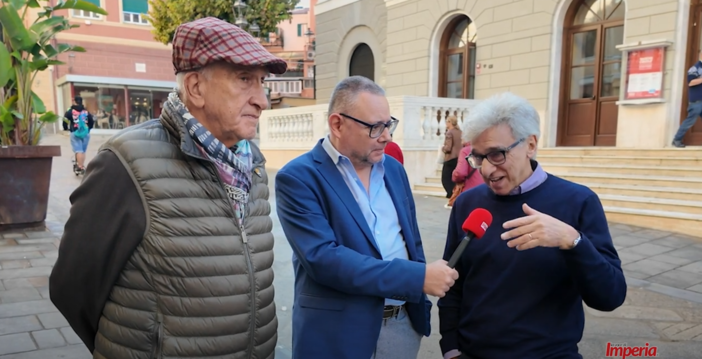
pixel 79 122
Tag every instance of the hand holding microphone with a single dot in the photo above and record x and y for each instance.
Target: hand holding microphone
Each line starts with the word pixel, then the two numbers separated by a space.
pixel 440 275
pixel 439 278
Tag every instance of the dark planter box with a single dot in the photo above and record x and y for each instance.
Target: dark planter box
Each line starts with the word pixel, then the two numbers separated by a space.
pixel 25 175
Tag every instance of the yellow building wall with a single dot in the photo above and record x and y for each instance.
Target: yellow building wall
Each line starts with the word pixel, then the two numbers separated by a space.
pixel 652 126
pixel 518 41
pixel 338 32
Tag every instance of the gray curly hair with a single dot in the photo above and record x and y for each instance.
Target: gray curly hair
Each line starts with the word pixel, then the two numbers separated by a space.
pixel 503 108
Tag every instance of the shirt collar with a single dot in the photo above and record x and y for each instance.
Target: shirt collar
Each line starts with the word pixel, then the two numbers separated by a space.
pixel 331 151
pixel 537 177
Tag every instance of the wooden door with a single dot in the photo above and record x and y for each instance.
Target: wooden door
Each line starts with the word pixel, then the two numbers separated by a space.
pixel 694 45
pixel 458 72
pixel 609 82
pixel 578 122
pixel 458 59
pixel 591 74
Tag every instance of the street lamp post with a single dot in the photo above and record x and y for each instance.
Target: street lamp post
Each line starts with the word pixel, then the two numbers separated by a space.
pixel 239 9
pixel 309 33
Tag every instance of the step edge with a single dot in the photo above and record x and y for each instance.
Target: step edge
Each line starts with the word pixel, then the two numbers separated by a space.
pixel 620 157
pixel 651 200
pixel 614 166
pixel 632 177
pixel 678 190
pixel 644 188
pixel 428 193
pixel 438 185
pixel 654 213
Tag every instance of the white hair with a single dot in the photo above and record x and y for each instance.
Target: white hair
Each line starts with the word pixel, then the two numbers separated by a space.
pixel 504 108
pixel 180 80
pixel 180 83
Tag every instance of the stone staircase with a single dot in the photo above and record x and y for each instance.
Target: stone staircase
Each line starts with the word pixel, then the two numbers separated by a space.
pixel 659 189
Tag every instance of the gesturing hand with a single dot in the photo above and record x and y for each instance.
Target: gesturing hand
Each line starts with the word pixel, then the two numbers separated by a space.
pixel 537 229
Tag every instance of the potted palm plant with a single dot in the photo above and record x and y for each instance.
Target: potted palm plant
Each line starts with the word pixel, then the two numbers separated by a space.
pixel 28 47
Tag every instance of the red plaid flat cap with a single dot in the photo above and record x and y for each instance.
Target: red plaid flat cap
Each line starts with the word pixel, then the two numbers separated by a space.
pixel 207 40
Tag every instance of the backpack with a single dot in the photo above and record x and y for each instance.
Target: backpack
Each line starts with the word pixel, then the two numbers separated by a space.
pixel 80 123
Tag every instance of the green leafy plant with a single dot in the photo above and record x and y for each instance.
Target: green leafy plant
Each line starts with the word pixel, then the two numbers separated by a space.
pixel 166 15
pixel 28 49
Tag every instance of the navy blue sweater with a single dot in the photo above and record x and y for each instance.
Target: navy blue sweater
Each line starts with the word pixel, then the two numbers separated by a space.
pixel 528 304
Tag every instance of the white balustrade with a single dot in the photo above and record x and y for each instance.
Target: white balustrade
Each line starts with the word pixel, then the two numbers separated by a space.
pixel 420 132
pixel 423 119
pixel 292 128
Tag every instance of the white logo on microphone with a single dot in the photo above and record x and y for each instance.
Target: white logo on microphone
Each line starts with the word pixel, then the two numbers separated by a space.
pixel 484 226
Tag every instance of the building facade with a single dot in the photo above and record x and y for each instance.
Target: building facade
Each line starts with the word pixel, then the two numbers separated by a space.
pixel 600 72
pixel 294 41
pixel 125 75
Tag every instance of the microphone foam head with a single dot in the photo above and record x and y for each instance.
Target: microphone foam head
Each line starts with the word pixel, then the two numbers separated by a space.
pixel 478 222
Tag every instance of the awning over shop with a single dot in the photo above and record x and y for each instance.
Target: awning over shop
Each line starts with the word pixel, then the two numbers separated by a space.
pixel 116 81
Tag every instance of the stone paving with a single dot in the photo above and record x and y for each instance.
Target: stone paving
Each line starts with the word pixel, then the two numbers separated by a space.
pixel 663 305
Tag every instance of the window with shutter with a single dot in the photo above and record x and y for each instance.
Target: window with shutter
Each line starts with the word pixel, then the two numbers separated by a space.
pixel 87 14
pixel 133 11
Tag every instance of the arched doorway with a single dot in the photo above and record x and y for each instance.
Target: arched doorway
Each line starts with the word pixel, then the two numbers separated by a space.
pixel 591 76
pixel 362 62
pixel 457 59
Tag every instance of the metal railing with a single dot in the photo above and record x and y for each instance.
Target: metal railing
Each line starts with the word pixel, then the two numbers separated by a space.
pixel 288 85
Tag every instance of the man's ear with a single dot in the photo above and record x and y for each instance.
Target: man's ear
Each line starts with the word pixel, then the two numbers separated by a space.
pixel 335 121
pixel 195 85
pixel 532 146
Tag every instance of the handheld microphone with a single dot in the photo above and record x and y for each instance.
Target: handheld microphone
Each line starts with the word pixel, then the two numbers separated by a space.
pixel 475 226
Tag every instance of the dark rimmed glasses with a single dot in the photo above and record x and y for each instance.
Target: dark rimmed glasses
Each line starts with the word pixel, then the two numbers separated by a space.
pixel 495 157
pixel 375 130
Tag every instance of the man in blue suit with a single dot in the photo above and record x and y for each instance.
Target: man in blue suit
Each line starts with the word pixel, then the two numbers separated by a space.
pixel 347 211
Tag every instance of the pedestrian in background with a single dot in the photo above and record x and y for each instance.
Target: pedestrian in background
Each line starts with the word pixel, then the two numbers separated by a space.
pixel 694 107
pixel 393 150
pixel 451 149
pixel 464 176
pixel 79 122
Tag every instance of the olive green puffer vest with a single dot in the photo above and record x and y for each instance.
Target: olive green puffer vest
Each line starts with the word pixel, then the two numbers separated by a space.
pixel 197 286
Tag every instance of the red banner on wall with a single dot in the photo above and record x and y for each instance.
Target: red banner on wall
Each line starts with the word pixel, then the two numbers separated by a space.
pixel 645 73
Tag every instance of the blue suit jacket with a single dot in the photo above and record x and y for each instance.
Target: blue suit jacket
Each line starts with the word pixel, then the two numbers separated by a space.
pixel 340 278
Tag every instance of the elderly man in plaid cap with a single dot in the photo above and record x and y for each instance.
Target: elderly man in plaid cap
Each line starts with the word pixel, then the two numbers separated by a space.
pixel 168 249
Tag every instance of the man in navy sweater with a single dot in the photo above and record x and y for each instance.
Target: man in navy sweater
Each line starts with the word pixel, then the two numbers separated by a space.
pixel 521 286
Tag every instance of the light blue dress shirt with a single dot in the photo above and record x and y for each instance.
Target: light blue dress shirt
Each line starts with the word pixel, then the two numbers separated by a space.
pixel 376 205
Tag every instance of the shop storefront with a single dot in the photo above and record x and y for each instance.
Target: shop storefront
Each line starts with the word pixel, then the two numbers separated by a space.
pixel 115 103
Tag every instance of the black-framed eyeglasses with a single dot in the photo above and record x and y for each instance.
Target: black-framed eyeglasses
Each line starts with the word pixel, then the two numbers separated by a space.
pixel 376 129
pixel 496 157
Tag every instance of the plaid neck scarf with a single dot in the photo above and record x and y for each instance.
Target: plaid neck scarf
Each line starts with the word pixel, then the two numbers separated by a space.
pixel 234 165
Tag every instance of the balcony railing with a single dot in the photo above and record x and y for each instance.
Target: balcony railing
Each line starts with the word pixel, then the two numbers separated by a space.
pixel 288 86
